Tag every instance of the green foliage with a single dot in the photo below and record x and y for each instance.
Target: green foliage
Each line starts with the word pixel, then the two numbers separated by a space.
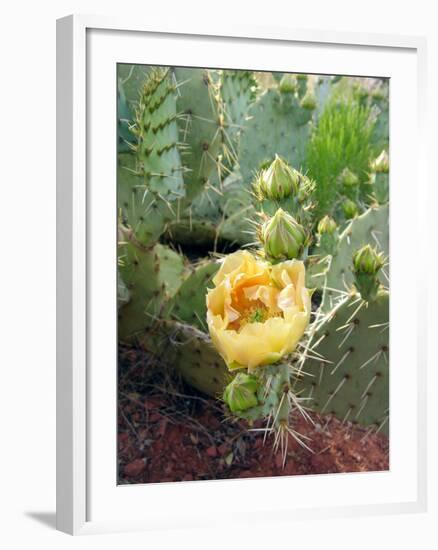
pixel 341 139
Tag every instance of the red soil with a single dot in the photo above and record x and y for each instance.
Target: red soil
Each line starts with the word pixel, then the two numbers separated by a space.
pixel 167 432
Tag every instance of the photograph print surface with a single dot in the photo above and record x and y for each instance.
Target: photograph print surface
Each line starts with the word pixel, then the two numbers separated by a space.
pixel 253 274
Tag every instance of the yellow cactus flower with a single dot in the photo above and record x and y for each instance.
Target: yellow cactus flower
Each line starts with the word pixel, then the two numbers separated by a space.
pixel 257 312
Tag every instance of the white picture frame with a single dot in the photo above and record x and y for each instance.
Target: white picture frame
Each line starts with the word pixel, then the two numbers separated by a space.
pixel 87 500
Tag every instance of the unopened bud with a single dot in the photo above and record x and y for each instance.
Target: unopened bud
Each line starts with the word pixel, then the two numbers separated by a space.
pixel 348 178
pixel 288 84
pixel 368 260
pixel 309 100
pixel 241 393
pixel 381 163
pixel 327 225
pixel 350 209
pixel 283 237
pixel 278 181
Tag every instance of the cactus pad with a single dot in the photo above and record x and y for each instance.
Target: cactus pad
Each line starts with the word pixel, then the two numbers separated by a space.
pixel 351 380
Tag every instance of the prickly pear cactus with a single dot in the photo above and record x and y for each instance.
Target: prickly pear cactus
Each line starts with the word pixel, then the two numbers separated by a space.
pixel 156 130
pixel 200 126
pixel 139 209
pixel 191 353
pixel 372 227
pixel 188 304
pixel 217 215
pixel 152 276
pixel 238 92
pixel 347 368
pixel 278 125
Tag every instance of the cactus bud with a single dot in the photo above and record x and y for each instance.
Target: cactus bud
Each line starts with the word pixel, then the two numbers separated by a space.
pixel 278 181
pixel 241 393
pixel 368 260
pixel 327 225
pixel 348 178
pixel 381 163
pixel 309 100
pixel 283 237
pixel 350 209
pixel 288 84
pixel 367 263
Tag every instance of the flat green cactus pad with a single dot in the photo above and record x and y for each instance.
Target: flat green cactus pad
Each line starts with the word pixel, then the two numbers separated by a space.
pixel 191 353
pixel 200 126
pixel 151 276
pixel 347 372
pixel 372 227
pixel 188 305
pixel 139 209
pixel 156 130
pixel 278 125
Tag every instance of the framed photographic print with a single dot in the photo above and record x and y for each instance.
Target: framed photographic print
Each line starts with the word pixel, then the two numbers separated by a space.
pixel 237 322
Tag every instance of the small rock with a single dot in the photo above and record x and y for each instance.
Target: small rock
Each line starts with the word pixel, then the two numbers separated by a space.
pixel 135 468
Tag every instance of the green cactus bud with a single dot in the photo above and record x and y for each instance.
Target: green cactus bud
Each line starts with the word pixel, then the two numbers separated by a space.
pixel 309 100
pixel 350 209
pixel 283 237
pixel 327 225
pixel 367 263
pixel 348 178
pixel 381 163
pixel 368 260
pixel 241 393
pixel 278 181
pixel 288 84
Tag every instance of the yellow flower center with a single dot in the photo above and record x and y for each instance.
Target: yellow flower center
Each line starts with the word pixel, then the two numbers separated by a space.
pixel 251 311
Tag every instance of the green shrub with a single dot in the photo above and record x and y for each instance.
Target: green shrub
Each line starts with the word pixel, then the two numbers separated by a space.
pixel 341 139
